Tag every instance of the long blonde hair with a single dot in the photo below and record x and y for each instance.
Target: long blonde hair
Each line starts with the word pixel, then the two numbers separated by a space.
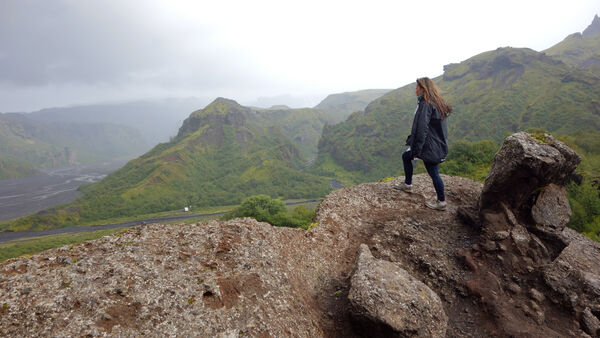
pixel 431 94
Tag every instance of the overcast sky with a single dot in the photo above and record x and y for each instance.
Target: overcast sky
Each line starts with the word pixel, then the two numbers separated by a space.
pixel 58 53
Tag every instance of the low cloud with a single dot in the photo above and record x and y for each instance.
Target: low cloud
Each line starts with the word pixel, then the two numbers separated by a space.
pixel 61 52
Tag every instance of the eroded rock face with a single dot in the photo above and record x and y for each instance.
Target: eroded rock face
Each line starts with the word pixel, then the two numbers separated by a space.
pixel 551 211
pixel 387 294
pixel 522 165
pixel 524 195
pixel 575 275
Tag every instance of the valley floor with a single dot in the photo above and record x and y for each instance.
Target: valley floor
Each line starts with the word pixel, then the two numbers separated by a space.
pixel 23 196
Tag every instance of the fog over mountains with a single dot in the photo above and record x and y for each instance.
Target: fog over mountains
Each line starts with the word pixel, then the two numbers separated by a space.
pixel 156 120
pixel 226 151
pixel 60 53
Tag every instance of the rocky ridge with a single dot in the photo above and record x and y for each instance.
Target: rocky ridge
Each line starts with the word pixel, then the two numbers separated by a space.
pixel 593 28
pixel 493 270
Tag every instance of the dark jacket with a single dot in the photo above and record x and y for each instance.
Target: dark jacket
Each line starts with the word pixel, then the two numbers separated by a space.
pixel 428 139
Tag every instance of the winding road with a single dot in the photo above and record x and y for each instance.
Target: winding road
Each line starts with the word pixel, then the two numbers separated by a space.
pixel 11 236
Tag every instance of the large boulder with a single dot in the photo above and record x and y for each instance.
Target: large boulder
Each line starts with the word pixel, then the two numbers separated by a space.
pixel 521 167
pixel 386 294
pixel 575 275
pixel 551 211
pixel 524 195
pixel 523 212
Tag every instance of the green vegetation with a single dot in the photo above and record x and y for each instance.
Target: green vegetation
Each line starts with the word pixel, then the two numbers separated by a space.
pixel 34 245
pixel 586 144
pixel 27 145
pixel 298 216
pixel 581 50
pixel 494 93
pixel 53 216
pixel 585 197
pixel 226 152
pixel 585 204
pixel 14 168
pixel 340 106
pixel 474 160
pixel 470 159
pixel 222 154
pixel 266 209
pixel 303 126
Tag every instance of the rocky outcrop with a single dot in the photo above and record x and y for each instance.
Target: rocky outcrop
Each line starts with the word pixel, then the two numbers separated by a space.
pixel 524 196
pixel 551 210
pixel 242 277
pixel 521 167
pixel 385 293
pixel 575 275
pixel 593 28
pixel 502 270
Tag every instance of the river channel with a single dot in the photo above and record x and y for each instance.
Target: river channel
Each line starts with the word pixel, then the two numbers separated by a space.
pixel 23 196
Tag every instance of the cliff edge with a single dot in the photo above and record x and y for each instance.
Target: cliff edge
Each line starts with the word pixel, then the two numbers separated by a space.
pixel 478 269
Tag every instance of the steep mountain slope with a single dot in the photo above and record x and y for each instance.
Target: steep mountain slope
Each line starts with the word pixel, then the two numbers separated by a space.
pixel 493 93
pixel 302 125
pixel 30 144
pixel 580 49
pixel 12 169
pixel 340 106
pixel 221 154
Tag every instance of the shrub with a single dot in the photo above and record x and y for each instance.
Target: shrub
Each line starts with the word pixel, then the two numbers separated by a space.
pixel 266 209
pixel 585 204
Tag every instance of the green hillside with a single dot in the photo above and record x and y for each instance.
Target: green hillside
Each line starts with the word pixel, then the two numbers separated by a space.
pixel 222 154
pixel 303 126
pixel 493 93
pixel 20 148
pixel 13 169
pixel 340 106
pixel 580 49
pixel 27 145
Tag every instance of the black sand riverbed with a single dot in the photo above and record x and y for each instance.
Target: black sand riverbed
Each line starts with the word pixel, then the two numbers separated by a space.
pixel 23 196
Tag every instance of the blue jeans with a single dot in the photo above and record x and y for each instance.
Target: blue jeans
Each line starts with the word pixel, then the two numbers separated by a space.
pixel 432 170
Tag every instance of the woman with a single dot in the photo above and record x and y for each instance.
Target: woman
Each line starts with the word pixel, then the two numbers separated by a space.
pixel 428 139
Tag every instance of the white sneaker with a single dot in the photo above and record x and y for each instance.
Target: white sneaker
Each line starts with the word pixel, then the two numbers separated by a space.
pixel 437 205
pixel 404 187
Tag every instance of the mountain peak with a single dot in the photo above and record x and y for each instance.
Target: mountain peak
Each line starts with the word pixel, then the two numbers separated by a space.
pixel 593 28
pixel 221 102
pixel 221 111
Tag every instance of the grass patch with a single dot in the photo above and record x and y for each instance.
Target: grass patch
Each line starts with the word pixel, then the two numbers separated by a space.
pixel 35 245
pixel 263 208
pixel 10 225
pixel 541 137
